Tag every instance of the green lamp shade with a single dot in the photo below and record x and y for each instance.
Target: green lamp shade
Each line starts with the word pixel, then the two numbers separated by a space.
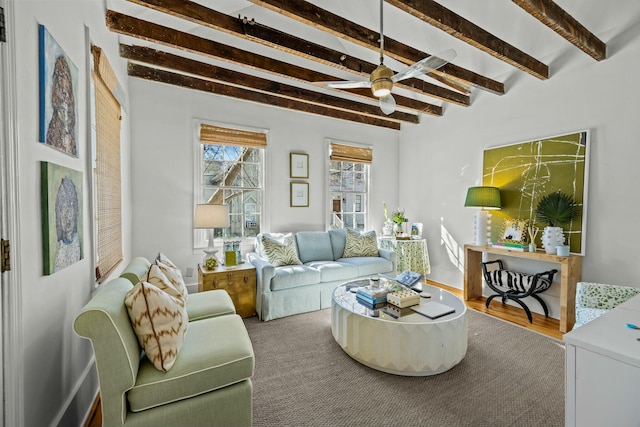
pixel 483 197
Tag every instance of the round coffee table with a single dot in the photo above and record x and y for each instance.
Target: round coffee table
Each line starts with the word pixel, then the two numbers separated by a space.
pixel 412 344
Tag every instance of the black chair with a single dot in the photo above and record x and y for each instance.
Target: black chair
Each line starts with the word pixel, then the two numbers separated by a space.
pixel 515 286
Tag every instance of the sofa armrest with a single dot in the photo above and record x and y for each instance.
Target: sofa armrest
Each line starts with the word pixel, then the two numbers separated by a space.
pixel 390 255
pixel 264 272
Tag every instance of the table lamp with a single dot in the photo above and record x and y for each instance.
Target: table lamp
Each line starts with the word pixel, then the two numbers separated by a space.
pixel 485 198
pixel 211 216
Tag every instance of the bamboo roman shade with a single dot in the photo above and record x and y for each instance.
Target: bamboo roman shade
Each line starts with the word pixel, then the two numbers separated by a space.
pixel 216 135
pixel 108 209
pixel 350 153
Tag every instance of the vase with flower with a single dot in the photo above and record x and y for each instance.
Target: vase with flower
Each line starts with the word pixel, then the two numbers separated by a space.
pixel 398 219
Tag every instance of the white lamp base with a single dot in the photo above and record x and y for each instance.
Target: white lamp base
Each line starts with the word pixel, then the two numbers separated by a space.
pixel 482 227
pixel 209 251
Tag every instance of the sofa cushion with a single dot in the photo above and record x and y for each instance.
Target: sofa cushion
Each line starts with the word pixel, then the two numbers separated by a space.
pixel 369 265
pixel 280 237
pixel 280 253
pixel 173 273
pixel 292 276
pixel 360 245
pixel 333 270
pixel 203 305
pixel 314 246
pixel 338 240
pixel 216 353
pixel 159 318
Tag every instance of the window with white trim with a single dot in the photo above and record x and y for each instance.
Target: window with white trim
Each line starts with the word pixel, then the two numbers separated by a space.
pixel 231 171
pixel 349 168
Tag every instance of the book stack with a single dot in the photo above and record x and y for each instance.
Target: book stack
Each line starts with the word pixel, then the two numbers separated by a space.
pixel 372 298
pixel 520 247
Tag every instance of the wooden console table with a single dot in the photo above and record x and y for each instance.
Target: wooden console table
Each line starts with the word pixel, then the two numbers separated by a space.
pixel 570 275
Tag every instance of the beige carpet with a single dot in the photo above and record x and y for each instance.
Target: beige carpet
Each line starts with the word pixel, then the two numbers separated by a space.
pixel 509 377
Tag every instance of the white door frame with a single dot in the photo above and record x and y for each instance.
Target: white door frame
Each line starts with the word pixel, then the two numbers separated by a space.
pixel 11 374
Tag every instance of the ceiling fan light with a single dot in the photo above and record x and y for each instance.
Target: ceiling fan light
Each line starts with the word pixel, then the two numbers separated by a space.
pixel 381 83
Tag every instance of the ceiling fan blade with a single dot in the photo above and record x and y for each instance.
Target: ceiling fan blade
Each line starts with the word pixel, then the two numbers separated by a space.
pixel 387 104
pixel 425 65
pixel 345 84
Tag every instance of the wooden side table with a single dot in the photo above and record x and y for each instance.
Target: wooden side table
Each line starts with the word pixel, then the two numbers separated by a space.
pixel 239 281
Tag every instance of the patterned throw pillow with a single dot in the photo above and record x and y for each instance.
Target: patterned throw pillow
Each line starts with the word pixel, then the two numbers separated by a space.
pixel 358 245
pixel 282 252
pixel 158 314
pixel 173 274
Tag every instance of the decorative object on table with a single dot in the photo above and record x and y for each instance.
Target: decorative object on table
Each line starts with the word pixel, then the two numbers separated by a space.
pixel 399 219
pixel 387 228
pixel 513 236
pixel 232 254
pixel 485 198
pixel 62 227
pixel 408 278
pixel 298 165
pixel 416 230
pixel 403 298
pixel 563 250
pixel 210 216
pixel 526 171
pixel 59 124
pixel 211 263
pixel 299 195
pixel 533 232
pixel 555 209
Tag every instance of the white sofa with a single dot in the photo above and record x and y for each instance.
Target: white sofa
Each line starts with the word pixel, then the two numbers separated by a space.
pixel 292 289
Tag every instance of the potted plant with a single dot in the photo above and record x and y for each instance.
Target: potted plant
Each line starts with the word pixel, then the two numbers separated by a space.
pixel 555 209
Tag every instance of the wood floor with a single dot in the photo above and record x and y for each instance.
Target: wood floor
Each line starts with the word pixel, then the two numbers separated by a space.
pixel 545 326
pixel 541 324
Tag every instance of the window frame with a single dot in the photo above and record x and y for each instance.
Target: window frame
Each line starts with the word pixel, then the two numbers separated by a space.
pixel 367 193
pixel 200 235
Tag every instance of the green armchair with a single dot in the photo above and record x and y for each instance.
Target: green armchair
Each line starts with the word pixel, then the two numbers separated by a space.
pixel 209 384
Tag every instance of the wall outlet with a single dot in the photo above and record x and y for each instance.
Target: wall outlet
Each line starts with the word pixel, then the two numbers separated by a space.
pixel 189 272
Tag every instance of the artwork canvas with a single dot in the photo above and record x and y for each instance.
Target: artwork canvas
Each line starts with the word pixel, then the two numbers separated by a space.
pixel 526 171
pixel 58 96
pixel 299 165
pixel 299 194
pixel 62 225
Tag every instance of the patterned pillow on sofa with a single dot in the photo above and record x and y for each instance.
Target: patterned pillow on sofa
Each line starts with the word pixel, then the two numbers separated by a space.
pixel 280 252
pixel 359 245
pixel 158 314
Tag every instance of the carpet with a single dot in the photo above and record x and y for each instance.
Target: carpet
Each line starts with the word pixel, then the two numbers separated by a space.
pixel 509 377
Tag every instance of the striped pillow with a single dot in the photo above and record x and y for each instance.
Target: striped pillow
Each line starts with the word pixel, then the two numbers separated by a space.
pixel 280 253
pixel 173 273
pixel 520 282
pixel 159 318
pixel 359 245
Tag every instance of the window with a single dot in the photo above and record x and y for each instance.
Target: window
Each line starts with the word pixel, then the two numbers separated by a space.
pixel 348 186
pixel 231 163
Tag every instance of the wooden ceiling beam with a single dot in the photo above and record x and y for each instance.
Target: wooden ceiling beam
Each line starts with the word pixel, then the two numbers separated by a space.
pixel 181 80
pixel 324 20
pixel 444 19
pixel 184 65
pixel 144 30
pixel 556 18
pixel 276 39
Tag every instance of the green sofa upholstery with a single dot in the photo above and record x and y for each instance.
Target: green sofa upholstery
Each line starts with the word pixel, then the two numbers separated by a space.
pixel 209 384
pixel 293 289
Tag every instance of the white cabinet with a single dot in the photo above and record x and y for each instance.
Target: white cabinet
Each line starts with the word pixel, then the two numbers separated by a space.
pixel 603 370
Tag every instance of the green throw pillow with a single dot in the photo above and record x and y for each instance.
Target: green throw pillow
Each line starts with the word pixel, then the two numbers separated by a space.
pixel 357 245
pixel 281 252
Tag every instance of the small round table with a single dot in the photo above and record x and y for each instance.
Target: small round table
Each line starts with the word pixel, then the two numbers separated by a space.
pixel 412 344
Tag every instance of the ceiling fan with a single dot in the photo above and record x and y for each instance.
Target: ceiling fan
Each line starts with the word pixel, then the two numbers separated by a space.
pixel 382 78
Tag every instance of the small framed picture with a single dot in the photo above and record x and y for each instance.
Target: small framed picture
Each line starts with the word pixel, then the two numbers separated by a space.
pixel 299 194
pixel 514 231
pixel 299 165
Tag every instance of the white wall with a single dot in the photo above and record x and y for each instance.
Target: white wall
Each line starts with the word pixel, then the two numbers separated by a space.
pixel 581 94
pixel 56 361
pixel 163 158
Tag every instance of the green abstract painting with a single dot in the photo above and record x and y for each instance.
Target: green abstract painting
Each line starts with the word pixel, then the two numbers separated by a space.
pixel 526 171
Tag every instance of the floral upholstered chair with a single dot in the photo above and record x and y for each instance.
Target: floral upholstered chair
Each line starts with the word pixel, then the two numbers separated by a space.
pixel 595 299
